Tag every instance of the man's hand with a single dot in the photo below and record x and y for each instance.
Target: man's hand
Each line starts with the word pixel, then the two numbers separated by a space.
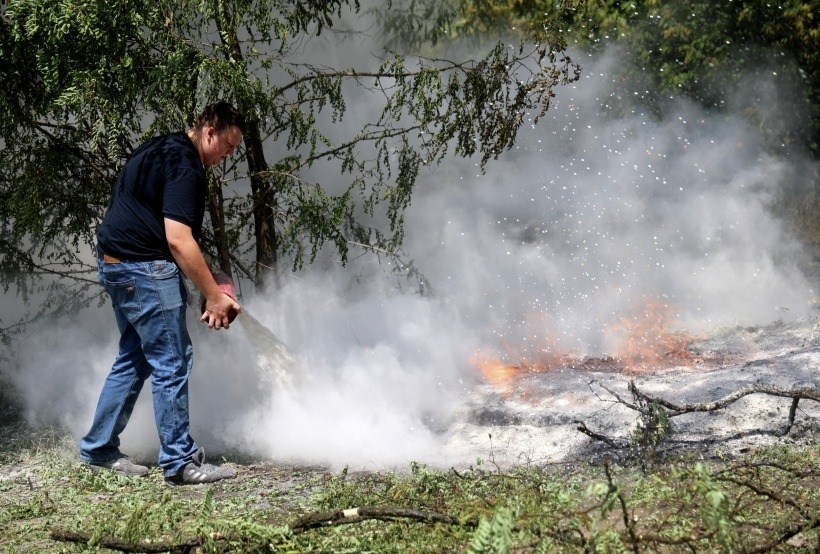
pixel 217 312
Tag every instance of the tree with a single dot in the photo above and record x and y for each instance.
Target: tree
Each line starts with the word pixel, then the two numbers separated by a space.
pixel 702 49
pixel 697 48
pixel 88 80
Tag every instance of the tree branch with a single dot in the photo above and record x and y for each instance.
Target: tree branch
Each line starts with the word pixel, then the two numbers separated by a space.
pixel 597 436
pixel 148 546
pixel 800 393
pixel 355 515
pixel 671 409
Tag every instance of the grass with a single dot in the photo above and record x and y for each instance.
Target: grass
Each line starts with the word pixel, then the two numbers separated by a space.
pixel 768 501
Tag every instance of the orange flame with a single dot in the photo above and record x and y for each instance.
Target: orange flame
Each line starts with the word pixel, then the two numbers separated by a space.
pixel 647 340
pixel 642 341
pixel 496 372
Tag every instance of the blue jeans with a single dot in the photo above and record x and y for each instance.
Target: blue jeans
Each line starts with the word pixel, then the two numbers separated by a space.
pixel 149 300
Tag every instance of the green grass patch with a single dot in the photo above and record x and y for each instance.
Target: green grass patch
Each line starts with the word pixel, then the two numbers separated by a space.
pixel 768 501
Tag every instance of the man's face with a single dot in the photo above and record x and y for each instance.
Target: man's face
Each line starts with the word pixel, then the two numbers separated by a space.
pixel 216 146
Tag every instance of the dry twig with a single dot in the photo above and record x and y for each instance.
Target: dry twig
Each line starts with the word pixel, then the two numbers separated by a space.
pixel 597 436
pixel 145 546
pixel 355 515
pixel 796 395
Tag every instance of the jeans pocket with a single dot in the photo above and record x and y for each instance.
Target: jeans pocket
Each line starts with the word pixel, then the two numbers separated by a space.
pixel 168 284
pixel 124 295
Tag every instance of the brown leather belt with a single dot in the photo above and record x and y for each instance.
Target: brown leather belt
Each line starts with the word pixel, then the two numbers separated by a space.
pixel 110 259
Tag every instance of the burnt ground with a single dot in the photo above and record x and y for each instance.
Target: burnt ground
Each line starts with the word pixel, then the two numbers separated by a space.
pixel 533 417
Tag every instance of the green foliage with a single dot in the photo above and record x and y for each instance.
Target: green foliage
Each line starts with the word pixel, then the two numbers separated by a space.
pixel 705 49
pixel 700 48
pixel 416 24
pixel 758 503
pixel 494 535
pixel 652 427
pixel 90 80
pixel 422 25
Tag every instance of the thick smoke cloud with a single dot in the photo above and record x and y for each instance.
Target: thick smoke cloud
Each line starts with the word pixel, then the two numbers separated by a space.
pixel 595 215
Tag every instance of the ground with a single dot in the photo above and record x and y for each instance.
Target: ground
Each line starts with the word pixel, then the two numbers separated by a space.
pixel 530 418
pixel 533 414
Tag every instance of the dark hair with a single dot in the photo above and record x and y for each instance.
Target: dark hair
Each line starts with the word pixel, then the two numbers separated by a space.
pixel 220 116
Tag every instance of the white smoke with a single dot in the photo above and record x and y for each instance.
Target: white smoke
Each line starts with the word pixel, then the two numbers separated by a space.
pixel 592 216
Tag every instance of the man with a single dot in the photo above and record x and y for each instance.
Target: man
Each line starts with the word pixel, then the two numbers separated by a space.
pixel 145 243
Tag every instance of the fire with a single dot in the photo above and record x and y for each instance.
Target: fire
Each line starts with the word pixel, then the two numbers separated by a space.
pixel 496 372
pixel 647 340
pixel 642 341
pixel 502 374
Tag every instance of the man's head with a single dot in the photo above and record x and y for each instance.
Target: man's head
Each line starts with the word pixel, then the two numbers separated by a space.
pixel 218 132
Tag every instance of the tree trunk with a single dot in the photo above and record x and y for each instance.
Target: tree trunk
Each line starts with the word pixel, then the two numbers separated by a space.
pixel 264 199
pixel 264 202
pixel 216 209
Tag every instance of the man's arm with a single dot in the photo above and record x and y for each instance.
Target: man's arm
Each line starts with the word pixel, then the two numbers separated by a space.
pixel 190 260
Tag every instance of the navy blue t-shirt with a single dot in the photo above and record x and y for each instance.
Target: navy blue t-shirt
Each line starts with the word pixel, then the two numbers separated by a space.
pixel 163 178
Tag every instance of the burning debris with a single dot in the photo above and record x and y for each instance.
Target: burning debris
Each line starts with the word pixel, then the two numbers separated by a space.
pixel 647 343
pixel 729 392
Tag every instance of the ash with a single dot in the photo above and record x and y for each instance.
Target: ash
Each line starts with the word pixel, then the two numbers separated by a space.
pixel 534 417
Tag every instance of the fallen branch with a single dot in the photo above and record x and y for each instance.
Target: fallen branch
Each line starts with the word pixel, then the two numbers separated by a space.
pixel 797 394
pixel 355 515
pixel 597 436
pixel 790 532
pixel 653 409
pixel 147 546
pixel 309 521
